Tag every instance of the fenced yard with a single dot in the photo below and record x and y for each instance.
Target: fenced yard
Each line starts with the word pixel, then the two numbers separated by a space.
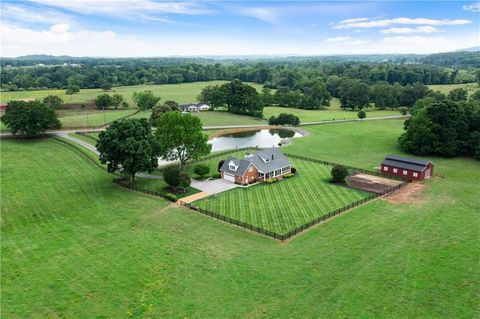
pixel 286 205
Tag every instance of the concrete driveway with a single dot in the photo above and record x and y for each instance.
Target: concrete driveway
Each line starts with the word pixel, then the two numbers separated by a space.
pixel 213 186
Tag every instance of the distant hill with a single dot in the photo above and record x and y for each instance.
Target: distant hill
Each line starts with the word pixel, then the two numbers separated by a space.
pixel 455 59
pixel 472 49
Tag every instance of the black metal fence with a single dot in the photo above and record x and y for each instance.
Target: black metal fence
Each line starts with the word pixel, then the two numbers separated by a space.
pixel 283 237
pixel 84 134
pixel 78 149
pixel 126 184
pixel 350 168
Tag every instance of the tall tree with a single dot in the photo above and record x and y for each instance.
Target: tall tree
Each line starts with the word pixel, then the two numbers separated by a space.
pixel 459 94
pixel 29 118
pixel 212 95
pixel 242 98
pixel 181 137
pixel 145 100
pixel 160 109
pixel 53 101
pixel 117 99
pixel 128 146
pixel 104 101
pixel 355 97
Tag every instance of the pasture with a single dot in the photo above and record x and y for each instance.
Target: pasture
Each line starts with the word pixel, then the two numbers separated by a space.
pixel 283 206
pixel 445 88
pixel 181 93
pixel 74 245
pixel 334 112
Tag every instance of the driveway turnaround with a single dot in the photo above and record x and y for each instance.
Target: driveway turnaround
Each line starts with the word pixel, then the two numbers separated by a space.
pixel 213 187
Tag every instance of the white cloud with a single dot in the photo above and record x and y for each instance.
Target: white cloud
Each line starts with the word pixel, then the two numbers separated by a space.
pixel 405 30
pixel 347 40
pixel 139 9
pixel 20 13
pixel 64 39
pixel 474 7
pixel 366 23
pixel 264 14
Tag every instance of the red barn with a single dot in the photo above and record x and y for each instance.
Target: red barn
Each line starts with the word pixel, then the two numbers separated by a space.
pixel 407 168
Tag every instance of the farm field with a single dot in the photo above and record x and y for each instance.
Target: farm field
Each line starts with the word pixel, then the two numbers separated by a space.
pixel 181 93
pixel 445 88
pixel 74 245
pixel 90 118
pixel 283 206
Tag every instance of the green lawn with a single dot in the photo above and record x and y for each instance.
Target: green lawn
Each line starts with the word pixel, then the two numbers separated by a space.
pixel 283 206
pixel 445 88
pixel 334 112
pixel 83 138
pixel 181 93
pixel 159 185
pixel 74 245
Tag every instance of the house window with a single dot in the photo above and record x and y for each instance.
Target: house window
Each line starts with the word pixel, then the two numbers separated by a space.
pixel 285 169
pixel 232 167
pixel 385 168
pixel 415 175
pixel 394 170
pixel 278 172
pixel 405 172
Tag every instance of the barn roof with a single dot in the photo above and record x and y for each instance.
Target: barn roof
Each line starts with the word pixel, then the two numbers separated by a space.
pixel 406 163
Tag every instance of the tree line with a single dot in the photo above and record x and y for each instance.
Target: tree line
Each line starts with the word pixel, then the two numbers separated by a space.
pixel 274 73
pixel 444 125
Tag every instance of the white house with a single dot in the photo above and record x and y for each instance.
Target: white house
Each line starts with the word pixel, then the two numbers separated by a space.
pixel 194 107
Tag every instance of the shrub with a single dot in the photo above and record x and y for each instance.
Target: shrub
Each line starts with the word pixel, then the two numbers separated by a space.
pixel 284 119
pixel 252 181
pixel 171 175
pixel 216 176
pixel 185 180
pixel 271 180
pixel 293 170
pixel 361 115
pixel 403 110
pixel 339 173
pixel 288 175
pixel 220 165
pixel 171 197
pixel 201 170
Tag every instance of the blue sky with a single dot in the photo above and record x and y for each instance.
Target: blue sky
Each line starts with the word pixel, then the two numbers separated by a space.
pixel 165 28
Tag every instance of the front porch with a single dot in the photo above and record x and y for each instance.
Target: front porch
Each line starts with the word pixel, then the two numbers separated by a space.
pixel 275 173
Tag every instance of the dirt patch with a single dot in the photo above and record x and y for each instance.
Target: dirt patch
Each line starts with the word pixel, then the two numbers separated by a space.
pixel 409 194
pixel 371 183
pixel 194 197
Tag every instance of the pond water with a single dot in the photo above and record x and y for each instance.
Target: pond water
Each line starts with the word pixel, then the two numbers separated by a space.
pixel 260 138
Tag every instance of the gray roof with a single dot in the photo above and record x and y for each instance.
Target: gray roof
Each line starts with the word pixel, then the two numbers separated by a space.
pixel 268 160
pixel 265 161
pixel 405 163
pixel 240 163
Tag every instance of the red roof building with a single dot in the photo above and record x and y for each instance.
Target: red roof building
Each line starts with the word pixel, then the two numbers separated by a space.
pixel 407 168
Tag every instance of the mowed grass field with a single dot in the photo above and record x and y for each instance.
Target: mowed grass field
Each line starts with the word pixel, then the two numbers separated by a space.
pixel 283 206
pixel 74 245
pixel 334 112
pixel 445 88
pixel 181 93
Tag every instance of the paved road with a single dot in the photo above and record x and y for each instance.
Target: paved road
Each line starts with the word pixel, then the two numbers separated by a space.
pixel 222 127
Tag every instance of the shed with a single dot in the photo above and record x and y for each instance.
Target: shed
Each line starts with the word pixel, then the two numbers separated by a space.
pixel 408 168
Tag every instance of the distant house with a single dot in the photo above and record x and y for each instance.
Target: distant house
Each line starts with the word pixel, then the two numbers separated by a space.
pixel 259 166
pixel 194 107
pixel 407 168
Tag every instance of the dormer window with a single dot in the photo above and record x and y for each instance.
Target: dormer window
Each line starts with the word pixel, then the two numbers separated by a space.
pixel 232 166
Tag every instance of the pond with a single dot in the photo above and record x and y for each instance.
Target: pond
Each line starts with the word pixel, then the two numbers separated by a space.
pixel 260 138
